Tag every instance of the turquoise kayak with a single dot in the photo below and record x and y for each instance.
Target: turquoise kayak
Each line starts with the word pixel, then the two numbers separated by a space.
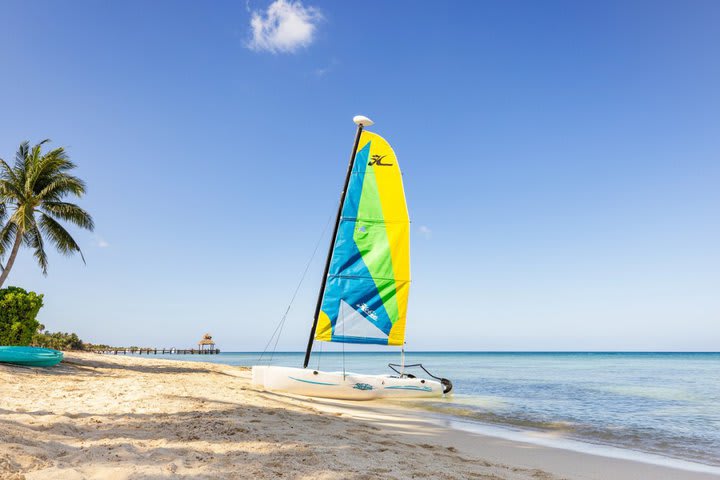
pixel 30 356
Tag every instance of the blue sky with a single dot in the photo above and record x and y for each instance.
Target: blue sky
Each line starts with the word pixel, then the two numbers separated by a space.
pixel 561 160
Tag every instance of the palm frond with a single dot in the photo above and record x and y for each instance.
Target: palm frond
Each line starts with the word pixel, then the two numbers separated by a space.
pixel 70 213
pixel 21 154
pixel 59 237
pixel 47 168
pixel 7 175
pixel 30 166
pixel 11 190
pixel 22 163
pixel 62 185
pixel 33 239
pixel 6 171
pixel 7 237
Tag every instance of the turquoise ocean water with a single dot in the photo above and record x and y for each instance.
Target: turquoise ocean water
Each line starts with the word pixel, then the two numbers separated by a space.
pixel 666 404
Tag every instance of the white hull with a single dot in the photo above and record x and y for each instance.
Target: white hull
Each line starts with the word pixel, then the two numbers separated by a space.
pixel 350 386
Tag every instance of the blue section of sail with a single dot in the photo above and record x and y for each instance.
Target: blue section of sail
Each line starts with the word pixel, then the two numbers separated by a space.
pixel 349 278
pixel 356 292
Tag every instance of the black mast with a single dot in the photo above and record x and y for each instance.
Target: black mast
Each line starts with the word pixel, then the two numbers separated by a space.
pixel 360 122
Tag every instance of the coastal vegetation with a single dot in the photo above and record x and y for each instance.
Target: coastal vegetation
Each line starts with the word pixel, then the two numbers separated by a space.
pixel 69 342
pixel 18 312
pixel 32 205
pixel 19 325
pixel 58 341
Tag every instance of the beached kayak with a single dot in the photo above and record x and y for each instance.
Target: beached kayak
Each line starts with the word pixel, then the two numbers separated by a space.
pixel 30 356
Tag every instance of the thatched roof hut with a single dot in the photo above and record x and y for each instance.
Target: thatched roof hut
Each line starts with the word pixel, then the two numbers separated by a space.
pixel 206 341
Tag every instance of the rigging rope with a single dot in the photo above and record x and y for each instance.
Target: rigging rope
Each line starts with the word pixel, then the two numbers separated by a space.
pixel 281 324
pixel 320 355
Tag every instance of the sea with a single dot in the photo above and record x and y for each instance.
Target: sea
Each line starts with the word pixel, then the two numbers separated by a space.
pixel 663 408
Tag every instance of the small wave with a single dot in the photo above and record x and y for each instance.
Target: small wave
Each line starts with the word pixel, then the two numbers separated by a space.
pixel 656 393
pixel 645 440
pixel 487 416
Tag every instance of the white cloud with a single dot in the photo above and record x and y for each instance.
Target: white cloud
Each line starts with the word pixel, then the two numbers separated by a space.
pixel 100 242
pixel 284 27
pixel 322 71
pixel 425 231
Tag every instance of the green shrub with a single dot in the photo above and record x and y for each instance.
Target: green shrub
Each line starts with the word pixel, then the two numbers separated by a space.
pixel 18 309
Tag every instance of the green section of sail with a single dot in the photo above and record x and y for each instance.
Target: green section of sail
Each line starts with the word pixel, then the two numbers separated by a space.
pixel 371 239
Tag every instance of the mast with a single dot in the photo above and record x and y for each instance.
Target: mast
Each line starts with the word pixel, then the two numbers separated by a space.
pixel 361 122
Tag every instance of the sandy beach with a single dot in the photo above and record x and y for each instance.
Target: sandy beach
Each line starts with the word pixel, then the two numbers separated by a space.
pixel 108 417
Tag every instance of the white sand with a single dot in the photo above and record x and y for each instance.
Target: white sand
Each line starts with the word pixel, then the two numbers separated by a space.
pixel 107 417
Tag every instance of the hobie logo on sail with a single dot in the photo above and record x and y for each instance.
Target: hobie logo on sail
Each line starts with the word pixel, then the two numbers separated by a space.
pixel 370 313
pixel 377 160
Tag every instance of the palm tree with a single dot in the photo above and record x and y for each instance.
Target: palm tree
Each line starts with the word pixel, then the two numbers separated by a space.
pixel 32 194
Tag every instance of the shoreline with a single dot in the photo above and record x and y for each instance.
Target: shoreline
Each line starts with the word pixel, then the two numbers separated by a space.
pixel 97 416
pixel 566 458
pixel 581 446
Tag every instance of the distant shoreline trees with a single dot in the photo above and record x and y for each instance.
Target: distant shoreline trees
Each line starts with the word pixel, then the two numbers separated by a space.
pixel 58 341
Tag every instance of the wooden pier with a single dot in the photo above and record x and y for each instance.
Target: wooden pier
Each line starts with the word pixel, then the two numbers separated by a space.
pixel 158 351
pixel 206 346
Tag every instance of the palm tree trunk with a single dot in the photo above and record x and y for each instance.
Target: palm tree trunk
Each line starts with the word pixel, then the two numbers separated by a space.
pixel 11 260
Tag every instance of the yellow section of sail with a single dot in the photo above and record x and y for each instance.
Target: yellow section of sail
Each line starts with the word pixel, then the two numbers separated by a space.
pixel 324 328
pixel 397 222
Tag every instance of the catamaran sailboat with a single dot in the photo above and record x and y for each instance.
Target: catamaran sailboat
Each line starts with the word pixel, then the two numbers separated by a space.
pixel 364 292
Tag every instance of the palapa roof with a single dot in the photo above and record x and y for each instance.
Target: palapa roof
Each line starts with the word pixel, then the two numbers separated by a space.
pixel 206 340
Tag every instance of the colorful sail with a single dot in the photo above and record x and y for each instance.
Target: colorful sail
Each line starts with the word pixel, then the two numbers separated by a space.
pixel 366 294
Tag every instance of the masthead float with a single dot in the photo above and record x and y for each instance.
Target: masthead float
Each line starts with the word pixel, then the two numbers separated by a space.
pixel 364 290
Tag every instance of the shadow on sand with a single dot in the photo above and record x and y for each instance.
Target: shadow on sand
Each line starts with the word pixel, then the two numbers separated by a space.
pixel 249 435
